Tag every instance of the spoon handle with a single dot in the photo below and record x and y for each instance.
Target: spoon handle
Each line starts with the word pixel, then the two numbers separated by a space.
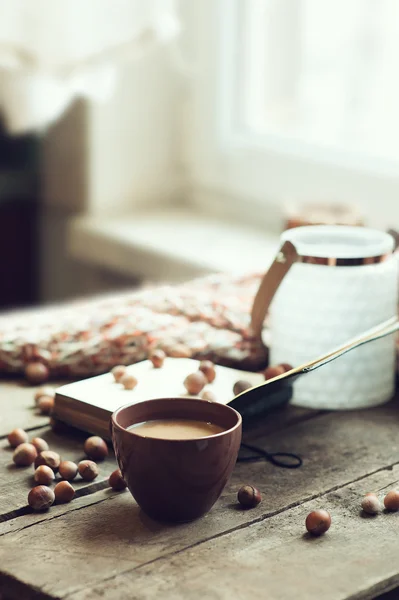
pixel 376 333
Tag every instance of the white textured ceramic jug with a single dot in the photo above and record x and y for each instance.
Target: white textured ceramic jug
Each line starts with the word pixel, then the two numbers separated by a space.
pixel 327 285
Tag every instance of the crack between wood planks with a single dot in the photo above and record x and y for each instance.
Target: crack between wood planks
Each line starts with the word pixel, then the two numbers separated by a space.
pixel 33 428
pixel 26 510
pixel 238 528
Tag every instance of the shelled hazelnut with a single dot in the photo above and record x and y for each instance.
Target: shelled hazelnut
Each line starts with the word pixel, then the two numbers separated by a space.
pixel 24 455
pixel 95 448
pixel 157 357
pixel 40 444
pixel 41 497
pixel 195 383
pixel 249 496
pixel 63 492
pixel 88 470
pixel 208 369
pixel 36 372
pixel 16 437
pixel 118 372
pixel 49 458
pixel 68 470
pixel 318 522
pixel 240 386
pixel 129 382
pixel 116 481
pixel 45 404
pixel 44 475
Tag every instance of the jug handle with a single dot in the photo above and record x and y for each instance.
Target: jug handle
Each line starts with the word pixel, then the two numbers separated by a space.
pixel 282 263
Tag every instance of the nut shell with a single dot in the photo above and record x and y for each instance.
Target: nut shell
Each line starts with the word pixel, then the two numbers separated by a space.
pixel 16 437
pixel 63 492
pixel 49 458
pixel 24 455
pixel 209 396
pixel 318 522
pixel 249 496
pixel 46 404
pixel 195 383
pixel 274 371
pixel 45 390
pixel 371 504
pixel 44 475
pixel 36 372
pixel 40 444
pixel 391 500
pixel 157 357
pixel 88 470
pixel 240 386
pixel 41 497
pixel 95 448
pixel 118 372
pixel 129 382
pixel 208 369
pixel 68 470
pixel 116 481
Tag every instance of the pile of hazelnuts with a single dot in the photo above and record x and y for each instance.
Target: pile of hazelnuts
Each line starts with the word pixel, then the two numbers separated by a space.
pixel 48 465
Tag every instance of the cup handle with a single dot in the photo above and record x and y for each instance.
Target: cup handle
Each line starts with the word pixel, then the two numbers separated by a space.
pixel 285 258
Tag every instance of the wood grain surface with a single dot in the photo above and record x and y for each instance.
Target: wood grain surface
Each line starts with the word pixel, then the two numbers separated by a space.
pixel 102 546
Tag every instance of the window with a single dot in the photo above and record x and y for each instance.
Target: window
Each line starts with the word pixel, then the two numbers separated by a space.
pixel 297 99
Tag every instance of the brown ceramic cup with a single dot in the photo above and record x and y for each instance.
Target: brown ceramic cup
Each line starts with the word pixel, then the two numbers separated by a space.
pixel 176 480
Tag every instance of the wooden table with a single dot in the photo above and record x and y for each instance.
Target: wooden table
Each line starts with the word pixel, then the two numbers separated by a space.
pixel 102 546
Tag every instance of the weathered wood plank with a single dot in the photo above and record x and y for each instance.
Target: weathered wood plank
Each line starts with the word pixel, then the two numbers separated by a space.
pixel 277 559
pixel 17 407
pixel 15 482
pixel 335 452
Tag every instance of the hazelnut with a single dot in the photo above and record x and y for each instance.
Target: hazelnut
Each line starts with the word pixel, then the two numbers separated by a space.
pixel 391 500
pixel 49 458
pixel 240 386
pixel 44 391
pixel 16 437
pixel 371 505
pixel 41 497
pixel 36 372
pixel 209 396
pixel 157 357
pixel 63 492
pixel 195 383
pixel 208 369
pixel 318 522
pixel 179 351
pixel 24 455
pixel 45 404
pixel 96 448
pixel 118 372
pixel 116 481
pixel 39 444
pixel 88 470
pixel 275 371
pixel 249 496
pixel 44 475
pixel 129 382
pixel 286 366
pixel 68 470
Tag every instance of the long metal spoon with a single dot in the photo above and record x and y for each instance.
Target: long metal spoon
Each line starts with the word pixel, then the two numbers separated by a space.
pixel 277 391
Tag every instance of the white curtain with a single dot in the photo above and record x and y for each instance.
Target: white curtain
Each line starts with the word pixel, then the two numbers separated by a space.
pixel 52 51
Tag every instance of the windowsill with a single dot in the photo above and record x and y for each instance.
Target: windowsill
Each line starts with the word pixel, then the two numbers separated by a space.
pixel 170 245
